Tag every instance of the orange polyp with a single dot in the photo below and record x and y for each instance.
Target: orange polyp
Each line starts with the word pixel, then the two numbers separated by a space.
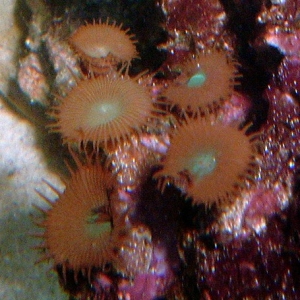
pixel 216 76
pixel 210 159
pixel 78 225
pixel 103 45
pixel 103 109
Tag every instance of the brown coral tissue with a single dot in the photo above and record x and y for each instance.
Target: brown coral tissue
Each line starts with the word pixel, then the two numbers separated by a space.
pixel 102 110
pixel 204 81
pixel 78 225
pixel 213 159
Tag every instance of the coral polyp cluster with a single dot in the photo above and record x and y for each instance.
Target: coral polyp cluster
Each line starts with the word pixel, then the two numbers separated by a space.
pixel 108 107
pixel 97 47
pixel 78 225
pixel 204 81
pixel 103 109
pixel 211 160
pixel 123 116
pixel 204 160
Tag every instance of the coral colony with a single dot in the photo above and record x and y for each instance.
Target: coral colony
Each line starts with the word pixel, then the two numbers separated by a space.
pixel 185 177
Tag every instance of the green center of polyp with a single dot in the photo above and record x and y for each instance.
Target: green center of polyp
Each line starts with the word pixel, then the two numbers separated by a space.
pixel 97 224
pixel 197 79
pixel 103 112
pixel 202 164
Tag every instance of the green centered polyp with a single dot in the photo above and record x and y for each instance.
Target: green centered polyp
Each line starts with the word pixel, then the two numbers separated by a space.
pixel 202 164
pixel 94 227
pixel 197 79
